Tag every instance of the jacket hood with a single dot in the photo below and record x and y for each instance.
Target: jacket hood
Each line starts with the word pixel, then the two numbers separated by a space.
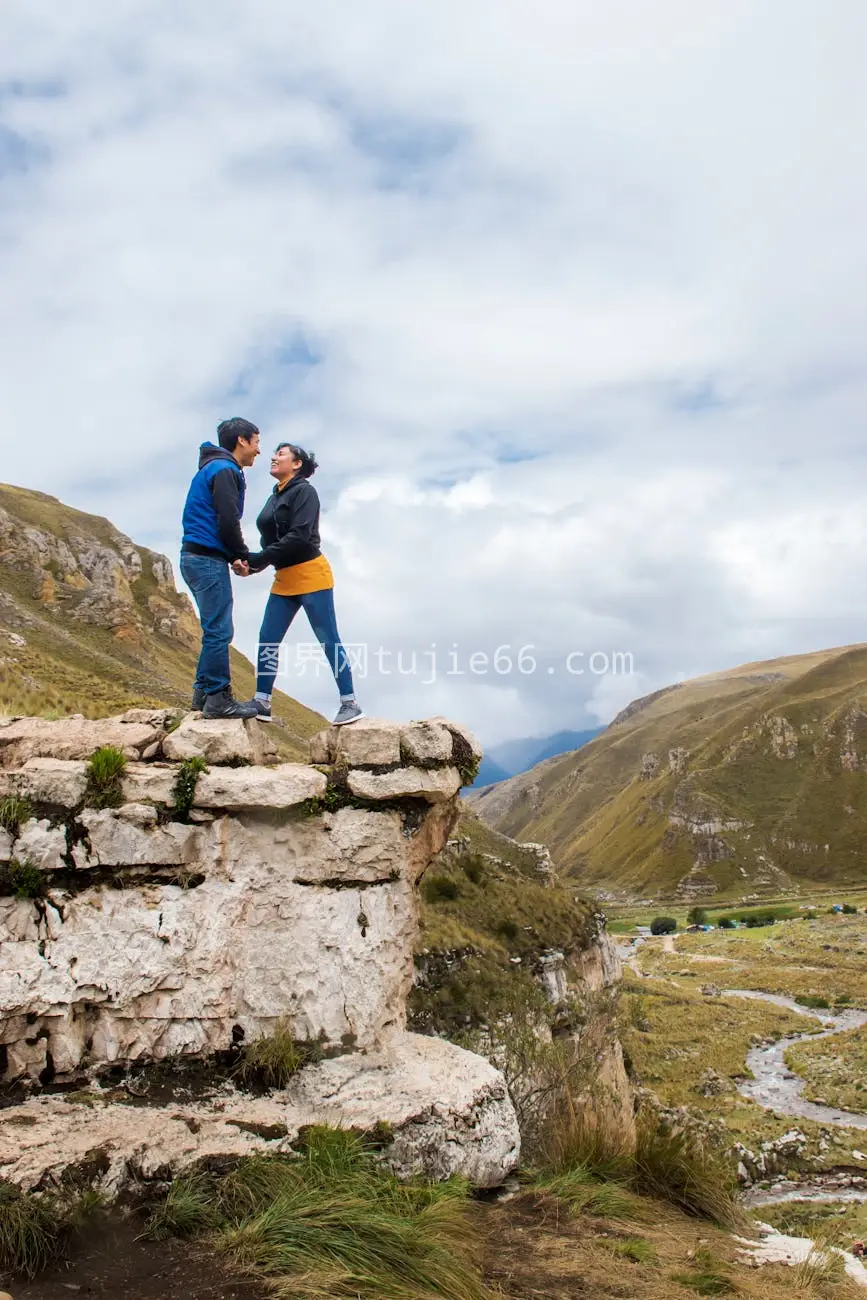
pixel 208 452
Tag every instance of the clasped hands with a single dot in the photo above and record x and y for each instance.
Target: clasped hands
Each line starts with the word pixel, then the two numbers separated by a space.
pixel 241 568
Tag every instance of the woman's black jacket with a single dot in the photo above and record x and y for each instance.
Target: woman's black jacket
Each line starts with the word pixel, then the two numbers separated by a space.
pixel 288 526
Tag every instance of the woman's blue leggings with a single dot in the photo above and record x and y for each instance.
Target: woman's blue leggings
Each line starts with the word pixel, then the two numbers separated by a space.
pixel 279 613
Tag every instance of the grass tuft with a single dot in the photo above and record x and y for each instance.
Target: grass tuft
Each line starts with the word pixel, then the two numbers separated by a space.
pixel 27 881
pixel 188 1210
pixel 14 811
pixel 271 1061
pixel 585 1193
pixel 104 777
pixel 694 1177
pixel 331 1222
pixel 636 1249
pixel 28 1231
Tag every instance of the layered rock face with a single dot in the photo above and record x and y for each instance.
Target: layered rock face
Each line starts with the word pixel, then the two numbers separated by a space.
pixel 162 928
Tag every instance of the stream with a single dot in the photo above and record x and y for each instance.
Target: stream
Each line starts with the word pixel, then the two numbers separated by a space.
pixel 775 1086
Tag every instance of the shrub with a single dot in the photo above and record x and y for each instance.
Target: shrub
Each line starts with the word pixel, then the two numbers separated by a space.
pixel 849 910
pixel 814 1000
pixel 440 889
pixel 14 811
pixel 696 916
pixel 104 777
pixel 271 1061
pixel 663 925
pixel 184 788
pixel 507 929
pixel 725 923
pixel 27 881
pixel 473 867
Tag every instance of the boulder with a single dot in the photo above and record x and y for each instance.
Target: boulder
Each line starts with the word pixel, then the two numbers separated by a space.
pixel 370 742
pixel 425 743
pixel 219 740
pixel 447 1110
pixel 123 837
pixel 53 780
pixel 432 784
pixel 5 845
pixel 259 787
pixel 71 738
pixel 41 845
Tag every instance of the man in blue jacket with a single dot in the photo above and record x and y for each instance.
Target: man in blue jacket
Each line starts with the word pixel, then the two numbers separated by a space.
pixel 212 542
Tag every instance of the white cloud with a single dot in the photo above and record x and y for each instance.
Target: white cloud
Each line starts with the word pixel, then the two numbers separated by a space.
pixel 584 286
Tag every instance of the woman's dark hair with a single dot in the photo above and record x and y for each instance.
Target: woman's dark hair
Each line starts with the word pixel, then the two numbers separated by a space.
pixel 229 431
pixel 307 458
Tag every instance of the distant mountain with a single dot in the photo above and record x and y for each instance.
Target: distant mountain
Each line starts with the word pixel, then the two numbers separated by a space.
pixel 91 623
pixel 514 756
pixel 752 780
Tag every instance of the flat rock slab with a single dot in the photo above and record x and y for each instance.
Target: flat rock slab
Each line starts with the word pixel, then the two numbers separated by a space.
pixel 425 742
pixel 449 1111
pixel 57 781
pixel 434 784
pixel 370 742
pixel 235 789
pixel 72 738
pixel 219 740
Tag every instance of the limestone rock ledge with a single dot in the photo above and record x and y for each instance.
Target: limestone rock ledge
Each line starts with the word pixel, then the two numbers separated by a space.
pixel 284 893
pixel 448 1110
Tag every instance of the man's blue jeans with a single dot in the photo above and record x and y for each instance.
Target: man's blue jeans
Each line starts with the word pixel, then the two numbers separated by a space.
pixel 209 580
pixel 279 613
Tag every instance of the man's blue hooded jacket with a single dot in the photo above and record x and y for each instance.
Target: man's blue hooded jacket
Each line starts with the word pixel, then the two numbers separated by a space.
pixel 214 507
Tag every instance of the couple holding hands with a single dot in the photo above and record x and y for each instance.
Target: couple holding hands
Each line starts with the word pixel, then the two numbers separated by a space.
pixel 289 531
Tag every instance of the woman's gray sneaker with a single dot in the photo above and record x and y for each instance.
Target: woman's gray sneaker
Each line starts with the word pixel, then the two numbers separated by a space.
pixel 222 705
pixel 263 709
pixel 348 713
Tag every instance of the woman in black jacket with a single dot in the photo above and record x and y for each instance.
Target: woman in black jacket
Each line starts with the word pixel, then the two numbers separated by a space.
pixel 289 529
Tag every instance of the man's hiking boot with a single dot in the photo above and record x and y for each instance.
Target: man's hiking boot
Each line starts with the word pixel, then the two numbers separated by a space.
pixel 263 709
pixel 199 698
pixel 223 705
pixel 350 712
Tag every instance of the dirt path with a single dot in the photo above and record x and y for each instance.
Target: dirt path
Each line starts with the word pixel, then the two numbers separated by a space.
pixel 111 1263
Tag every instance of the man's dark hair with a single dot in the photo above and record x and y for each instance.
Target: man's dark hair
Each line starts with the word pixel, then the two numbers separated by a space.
pixel 229 431
pixel 309 465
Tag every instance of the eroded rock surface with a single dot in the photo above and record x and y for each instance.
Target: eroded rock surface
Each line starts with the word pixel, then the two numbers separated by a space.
pixel 285 893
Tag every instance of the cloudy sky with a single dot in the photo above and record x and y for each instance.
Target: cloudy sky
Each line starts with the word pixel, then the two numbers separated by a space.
pixel 570 299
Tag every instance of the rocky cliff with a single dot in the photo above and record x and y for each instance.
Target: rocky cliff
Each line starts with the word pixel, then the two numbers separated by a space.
pixel 742 783
pixel 92 623
pixel 172 915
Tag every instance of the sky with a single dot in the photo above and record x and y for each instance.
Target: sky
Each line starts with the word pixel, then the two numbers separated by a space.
pixel 569 299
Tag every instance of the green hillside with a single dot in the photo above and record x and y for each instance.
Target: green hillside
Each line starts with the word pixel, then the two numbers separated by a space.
pixel 752 781
pixel 91 623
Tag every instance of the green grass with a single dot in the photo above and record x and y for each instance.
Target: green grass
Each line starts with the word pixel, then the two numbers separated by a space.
pixel 36 1227
pixel 331 1222
pixel 14 811
pixel 687 1172
pixel 586 1193
pixel 28 1231
pixel 707 1275
pixel 636 1249
pixel 272 1060
pixel 26 880
pixel 184 788
pixel 835 1069
pixel 104 774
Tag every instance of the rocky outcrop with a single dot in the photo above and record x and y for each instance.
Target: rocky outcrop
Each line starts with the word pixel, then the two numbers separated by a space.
pixel 282 894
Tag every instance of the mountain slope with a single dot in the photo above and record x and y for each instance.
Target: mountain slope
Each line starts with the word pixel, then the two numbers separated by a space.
pixel 751 780
pixel 91 623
